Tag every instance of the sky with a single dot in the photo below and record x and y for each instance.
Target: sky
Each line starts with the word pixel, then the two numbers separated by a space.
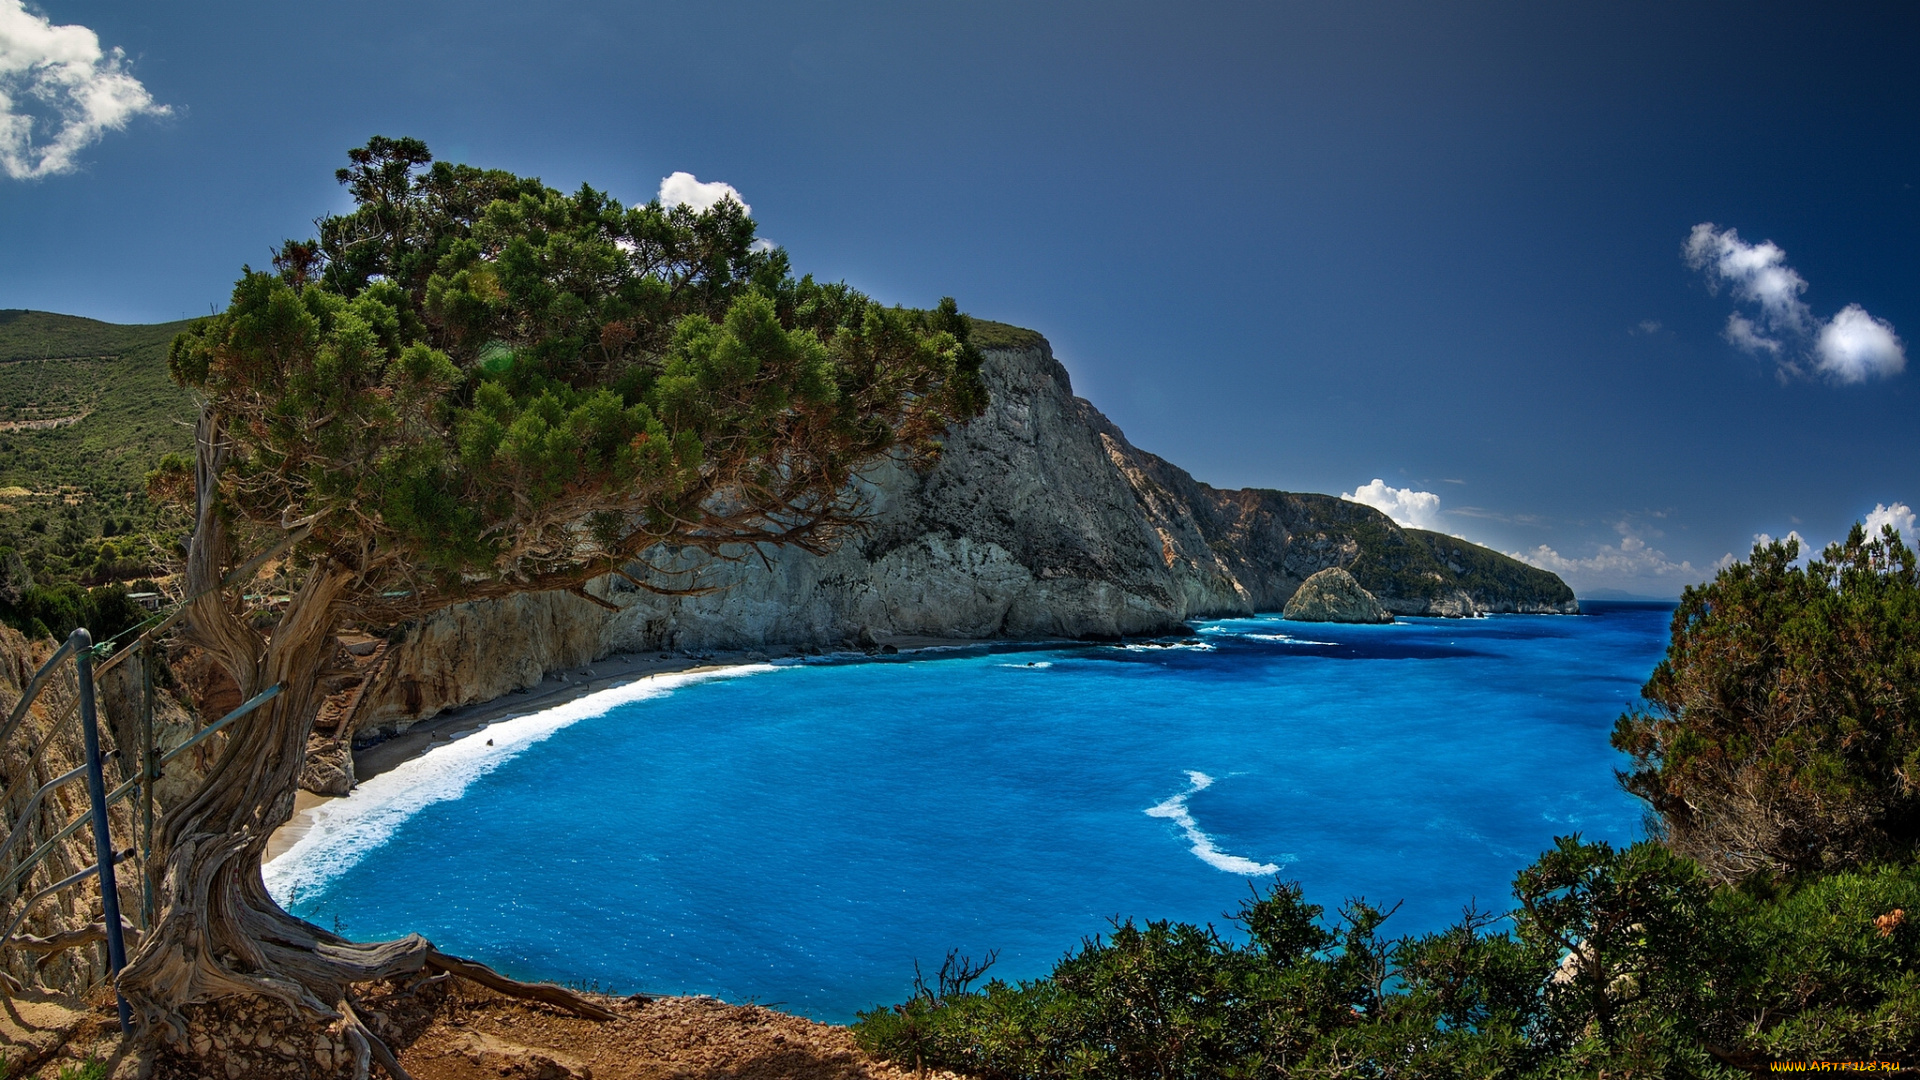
pixel 1617 288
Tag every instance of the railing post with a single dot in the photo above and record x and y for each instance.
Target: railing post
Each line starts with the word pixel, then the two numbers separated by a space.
pixel 149 773
pixel 102 842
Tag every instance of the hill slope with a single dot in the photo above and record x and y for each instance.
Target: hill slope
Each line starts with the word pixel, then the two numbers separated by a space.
pixel 108 383
pixel 86 409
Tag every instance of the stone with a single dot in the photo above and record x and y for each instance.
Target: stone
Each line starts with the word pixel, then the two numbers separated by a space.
pixel 329 767
pixel 1333 596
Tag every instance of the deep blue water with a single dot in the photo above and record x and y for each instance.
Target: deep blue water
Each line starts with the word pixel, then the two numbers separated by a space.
pixel 801 833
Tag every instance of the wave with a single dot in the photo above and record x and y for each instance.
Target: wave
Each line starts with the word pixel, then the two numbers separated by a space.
pixel 344 831
pixel 1287 639
pixel 1175 810
pixel 1031 664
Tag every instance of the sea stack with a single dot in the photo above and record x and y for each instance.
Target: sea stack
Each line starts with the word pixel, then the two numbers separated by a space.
pixel 1333 596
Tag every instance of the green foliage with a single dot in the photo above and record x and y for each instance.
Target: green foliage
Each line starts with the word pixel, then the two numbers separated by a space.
pixel 59 610
pixel 1619 963
pixel 998 335
pixel 1416 563
pixel 55 366
pixel 73 506
pixel 475 384
pixel 1490 576
pixel 1782 730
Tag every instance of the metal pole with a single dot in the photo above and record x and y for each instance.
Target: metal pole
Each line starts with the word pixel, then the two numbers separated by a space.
pixel 102 842
pixel 150 773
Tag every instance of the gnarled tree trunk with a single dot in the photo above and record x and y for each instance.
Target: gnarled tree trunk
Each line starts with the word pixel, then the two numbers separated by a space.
pixel 218 934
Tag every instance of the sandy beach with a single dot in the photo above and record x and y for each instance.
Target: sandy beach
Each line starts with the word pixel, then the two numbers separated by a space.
pixel 559 687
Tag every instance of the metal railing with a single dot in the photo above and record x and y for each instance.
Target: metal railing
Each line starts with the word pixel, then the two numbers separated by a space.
pixel 80 649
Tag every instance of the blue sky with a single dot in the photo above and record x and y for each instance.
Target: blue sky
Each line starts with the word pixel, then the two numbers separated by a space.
pixel 1452 248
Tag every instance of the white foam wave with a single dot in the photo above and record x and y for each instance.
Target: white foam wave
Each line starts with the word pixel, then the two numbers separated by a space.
pixel 1175 810
pixel 345 830
pixel 1288 639
pixel 1196 646
pixel 1031 664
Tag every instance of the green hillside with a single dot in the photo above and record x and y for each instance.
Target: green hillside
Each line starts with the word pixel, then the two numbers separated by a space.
pixel 113 378
pixel 86 408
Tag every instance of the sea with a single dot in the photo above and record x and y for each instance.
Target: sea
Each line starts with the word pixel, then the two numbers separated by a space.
pixel 801 834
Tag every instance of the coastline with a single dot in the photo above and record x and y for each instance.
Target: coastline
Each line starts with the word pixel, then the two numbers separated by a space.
pixel 557 688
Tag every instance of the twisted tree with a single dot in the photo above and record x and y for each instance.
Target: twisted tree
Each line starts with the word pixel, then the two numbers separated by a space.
pixel 470 386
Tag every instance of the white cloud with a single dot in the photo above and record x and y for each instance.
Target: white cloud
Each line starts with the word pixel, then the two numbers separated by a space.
pixel 1851 347
pixel 1741 332
pixel 1854 347
pixel 1899 515
pixel 1407 507
pixel 1757 273
pixel 59 93
pixel 1627 564
pixel 683 189
pixel 1649 326
pixel 762 244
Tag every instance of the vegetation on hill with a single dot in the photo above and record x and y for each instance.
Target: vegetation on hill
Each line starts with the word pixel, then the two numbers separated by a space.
pixel 86 410
pixel 988 334
pixel 1414 564
pixel 1766 920
pixel 1490 576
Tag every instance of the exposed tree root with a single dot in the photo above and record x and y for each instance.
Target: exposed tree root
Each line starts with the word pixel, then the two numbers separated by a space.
pixel 546 993
pixel 364 1038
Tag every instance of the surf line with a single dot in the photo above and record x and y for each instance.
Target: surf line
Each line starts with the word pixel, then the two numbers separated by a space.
pixel 1175 810
pixel 346 830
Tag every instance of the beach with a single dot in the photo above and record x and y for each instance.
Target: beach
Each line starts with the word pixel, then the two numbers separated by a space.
pixel 557 688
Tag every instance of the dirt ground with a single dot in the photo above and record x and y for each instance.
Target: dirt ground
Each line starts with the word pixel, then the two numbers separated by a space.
pixel 470 1033
pixel 475 1034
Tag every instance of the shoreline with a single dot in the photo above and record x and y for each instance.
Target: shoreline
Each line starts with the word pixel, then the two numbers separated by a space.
pixel 558 687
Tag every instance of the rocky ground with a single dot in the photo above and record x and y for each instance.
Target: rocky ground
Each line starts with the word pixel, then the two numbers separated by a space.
pixel 468 1033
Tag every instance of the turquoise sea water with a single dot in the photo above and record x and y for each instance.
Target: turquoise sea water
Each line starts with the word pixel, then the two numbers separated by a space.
pixel 800 833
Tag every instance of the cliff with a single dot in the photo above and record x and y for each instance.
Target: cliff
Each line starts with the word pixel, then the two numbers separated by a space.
pixel 1039 520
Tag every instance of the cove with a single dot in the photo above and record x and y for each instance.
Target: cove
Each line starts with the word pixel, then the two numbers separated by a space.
pixel 799 833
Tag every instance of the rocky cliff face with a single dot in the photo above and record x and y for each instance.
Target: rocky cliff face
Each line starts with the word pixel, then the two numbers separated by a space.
pixel 1039 520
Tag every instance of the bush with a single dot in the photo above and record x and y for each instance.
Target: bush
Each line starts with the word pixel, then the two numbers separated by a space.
pixel 1619 963
pixel 55 612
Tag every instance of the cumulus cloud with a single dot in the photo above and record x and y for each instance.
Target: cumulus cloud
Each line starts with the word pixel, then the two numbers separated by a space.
pixel 1629 562
pixel 1407 507
pixel 1854 347
pixel 684 189
pixel 762 244
pixel 1899 515
pixel 1757 273
pixel 59 93
pixel 1851 347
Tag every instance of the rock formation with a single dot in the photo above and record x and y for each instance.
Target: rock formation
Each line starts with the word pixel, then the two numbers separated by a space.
pixel 1333 596
pixel 1039 520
